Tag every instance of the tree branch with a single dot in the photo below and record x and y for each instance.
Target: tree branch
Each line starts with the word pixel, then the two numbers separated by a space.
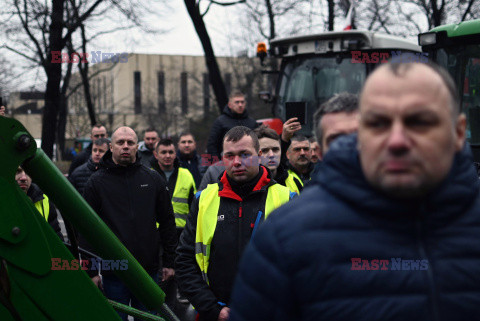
pixel 467 11
pixel 20 53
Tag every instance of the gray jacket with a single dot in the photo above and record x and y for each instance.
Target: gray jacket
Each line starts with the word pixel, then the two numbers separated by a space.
pixel 212 175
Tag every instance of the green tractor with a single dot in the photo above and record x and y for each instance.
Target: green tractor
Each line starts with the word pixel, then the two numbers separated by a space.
pixel 456 47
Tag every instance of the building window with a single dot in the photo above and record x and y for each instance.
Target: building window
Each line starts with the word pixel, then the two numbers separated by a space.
pixel 161 92
pixel 184 92
pixel 137 91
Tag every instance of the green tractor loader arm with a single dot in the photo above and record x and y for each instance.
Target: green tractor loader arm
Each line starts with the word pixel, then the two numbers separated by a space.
pixel 29 288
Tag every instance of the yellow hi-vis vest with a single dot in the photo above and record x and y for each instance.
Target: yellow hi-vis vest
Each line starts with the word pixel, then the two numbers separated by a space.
pixel 208 207
pixel 290 181
pixel 43 207
pixel 180 204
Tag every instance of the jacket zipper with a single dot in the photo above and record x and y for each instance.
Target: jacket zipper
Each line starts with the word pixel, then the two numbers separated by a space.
pixel 239 230
pixel 423 253
pixel 129 195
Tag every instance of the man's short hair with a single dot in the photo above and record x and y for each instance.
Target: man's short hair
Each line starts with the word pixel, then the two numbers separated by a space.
pixel 98 125
pixel 185 134
pixel 399 69
pixel 236 93
pixel 298 138
pixel 164 142
pixel 238 132
pixel 340 103
pixel 150 129
pixel 266 132
pixel 101 141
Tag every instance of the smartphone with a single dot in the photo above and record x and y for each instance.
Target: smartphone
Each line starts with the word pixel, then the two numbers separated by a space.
pixel 296 109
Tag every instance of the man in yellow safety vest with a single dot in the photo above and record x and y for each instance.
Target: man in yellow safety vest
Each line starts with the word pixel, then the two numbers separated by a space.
pixel 44 206
pixel 180 182
pixel 181 186
pixel 222 220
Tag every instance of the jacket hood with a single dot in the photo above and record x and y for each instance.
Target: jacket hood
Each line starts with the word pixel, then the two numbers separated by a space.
pixel 107 162
pixel 227 111
pixel 143 148
pixel 341 174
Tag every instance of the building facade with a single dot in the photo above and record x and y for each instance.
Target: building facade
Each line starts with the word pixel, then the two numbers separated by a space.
pixel 169 92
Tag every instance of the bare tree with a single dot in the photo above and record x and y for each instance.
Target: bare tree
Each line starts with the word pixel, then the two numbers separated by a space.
pixel 193 8
pixel 41 30
pixel 8 78
pixel 410 17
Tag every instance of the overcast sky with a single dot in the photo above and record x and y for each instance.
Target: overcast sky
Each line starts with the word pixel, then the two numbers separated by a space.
pixel 180 36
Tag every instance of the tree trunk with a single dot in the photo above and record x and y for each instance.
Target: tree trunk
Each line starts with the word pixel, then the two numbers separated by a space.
pixel 271 18
pixel 62 125
pixel 54 77
pixel 86 83
pixel 213 70
pixel 331 14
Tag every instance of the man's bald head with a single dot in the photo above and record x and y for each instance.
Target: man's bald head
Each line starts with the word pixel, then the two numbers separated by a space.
pixel 410 128
pixel 124 129
pixel 401 69
pixel 124 146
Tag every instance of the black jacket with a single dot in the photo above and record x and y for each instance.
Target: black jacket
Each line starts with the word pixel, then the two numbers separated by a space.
pixel 130 200
pixel 81 158
pixel 145 155
pixel 303 263
pixel 173 178
pixel 194 165
pixel 36 195
pixel 231 236
pixel 81 174
pixel 226 121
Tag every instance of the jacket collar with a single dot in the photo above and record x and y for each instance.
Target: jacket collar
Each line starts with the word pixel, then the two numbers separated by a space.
pixel 225 190
pixel 181 157
pixel 155 166
pixel 35 193
pixel 91 165
pixel 227 111
pixel 341 174
pixel 108 163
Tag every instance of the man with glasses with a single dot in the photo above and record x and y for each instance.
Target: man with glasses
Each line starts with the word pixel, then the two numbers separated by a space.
pixel 98 131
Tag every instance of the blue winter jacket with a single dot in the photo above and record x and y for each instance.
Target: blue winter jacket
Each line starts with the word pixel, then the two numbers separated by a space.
pixel 319 256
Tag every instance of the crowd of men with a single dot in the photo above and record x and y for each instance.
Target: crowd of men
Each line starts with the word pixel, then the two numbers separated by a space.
pixel 382 215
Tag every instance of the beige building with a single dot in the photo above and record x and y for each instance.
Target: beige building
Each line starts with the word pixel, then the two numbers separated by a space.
pixel 171 93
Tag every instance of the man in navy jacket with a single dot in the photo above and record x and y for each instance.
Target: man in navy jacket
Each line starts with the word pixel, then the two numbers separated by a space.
pixel 391 228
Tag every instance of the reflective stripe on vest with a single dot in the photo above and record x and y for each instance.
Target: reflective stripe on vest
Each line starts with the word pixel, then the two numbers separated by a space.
pixel 290 181
pixel 208 207
pixel 180 204
pixel 43 207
